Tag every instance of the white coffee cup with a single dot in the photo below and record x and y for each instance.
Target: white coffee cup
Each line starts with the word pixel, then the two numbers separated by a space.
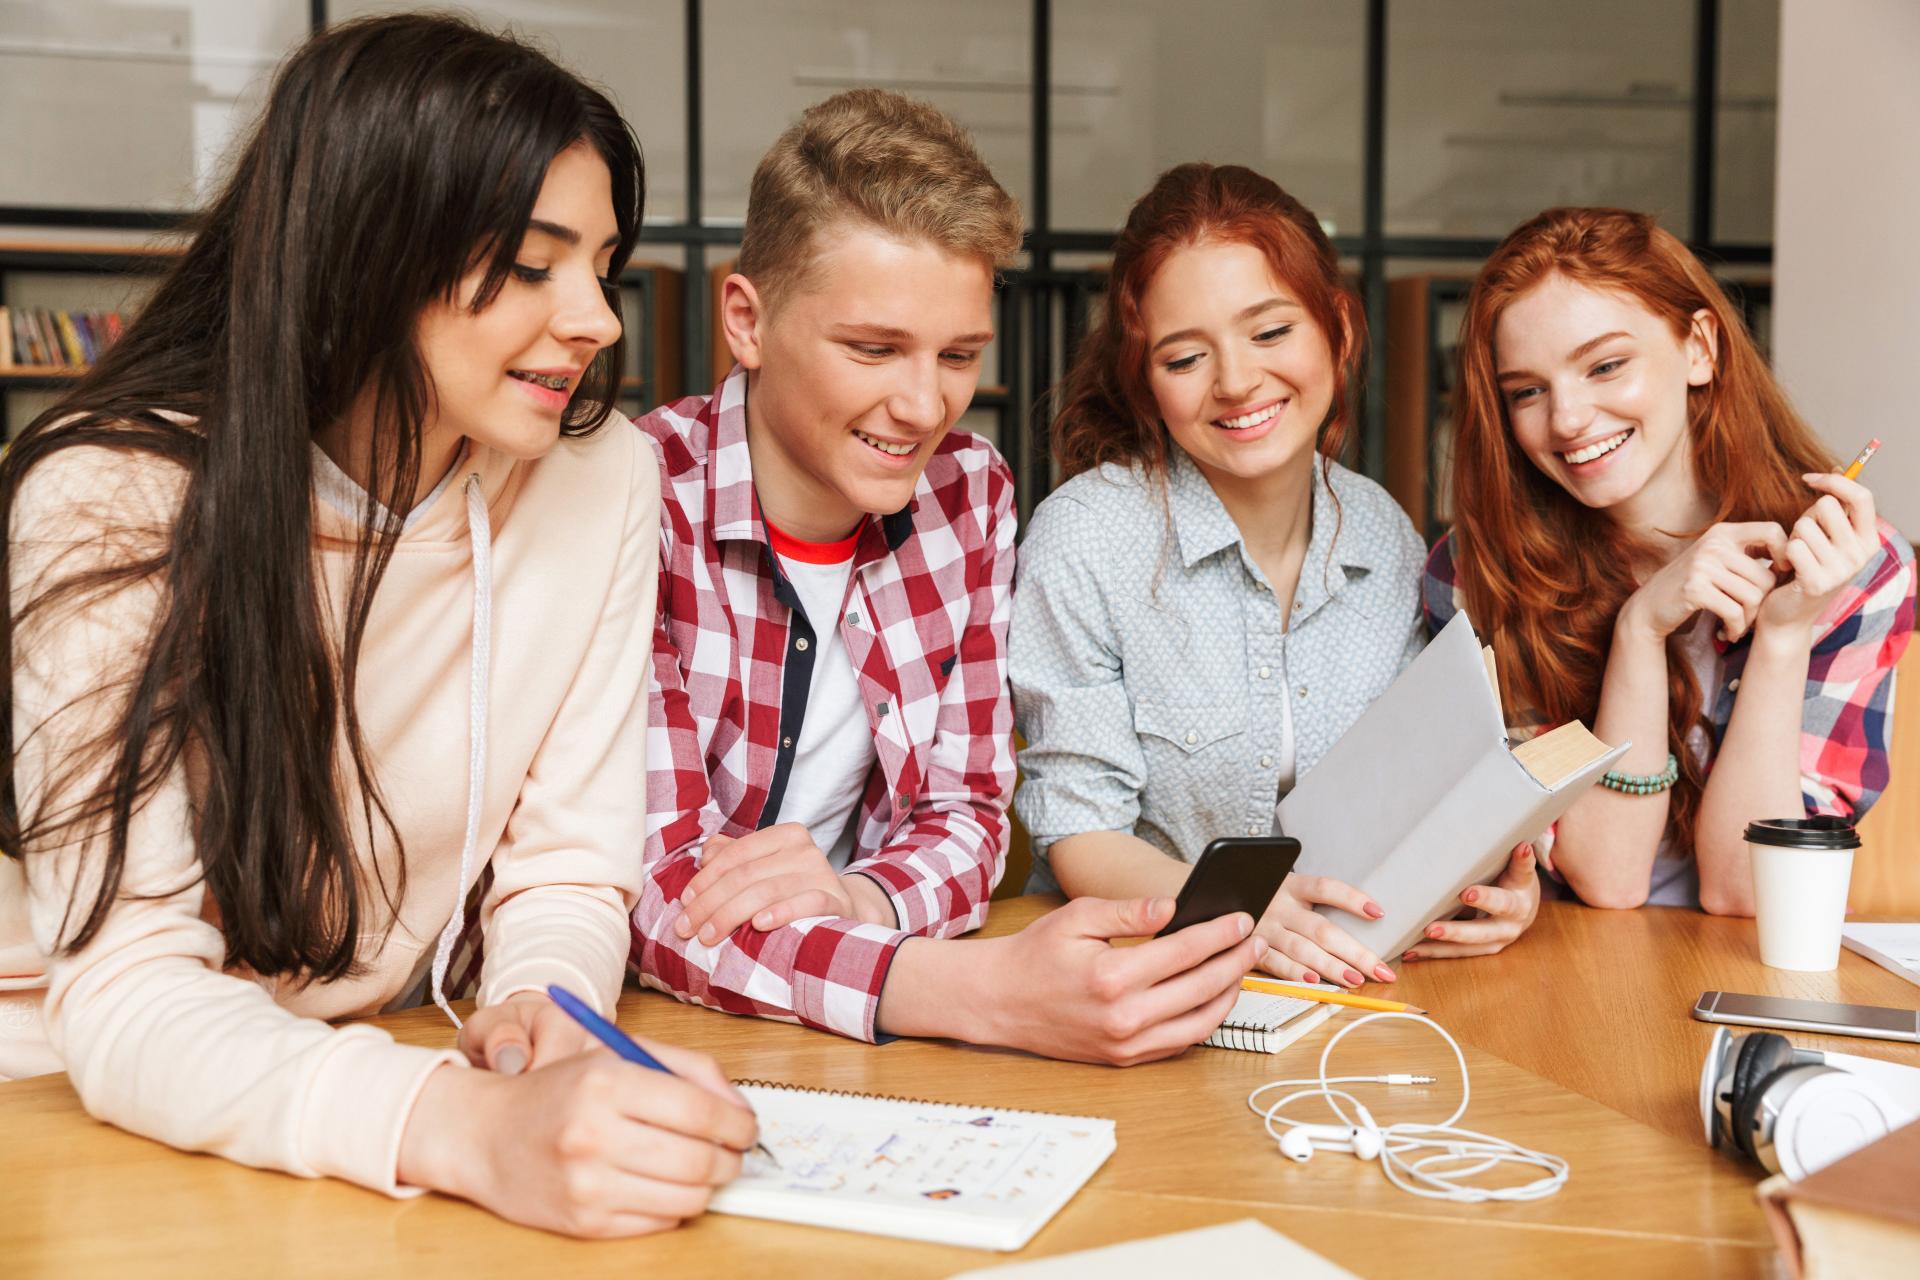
pixel 1801 869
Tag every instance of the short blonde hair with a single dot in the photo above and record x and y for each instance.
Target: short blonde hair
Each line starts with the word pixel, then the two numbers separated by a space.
pixel 897 164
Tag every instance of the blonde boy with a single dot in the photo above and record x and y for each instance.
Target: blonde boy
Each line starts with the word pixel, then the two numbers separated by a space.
pixel 829 749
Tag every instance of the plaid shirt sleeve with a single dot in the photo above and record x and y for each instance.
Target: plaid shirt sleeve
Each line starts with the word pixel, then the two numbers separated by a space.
pixel 824 973
pixel 1439 590
pixel 1848 711
pixel 942 864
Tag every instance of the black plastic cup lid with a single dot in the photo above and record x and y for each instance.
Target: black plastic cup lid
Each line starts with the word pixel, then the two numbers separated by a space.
pixel 1804 833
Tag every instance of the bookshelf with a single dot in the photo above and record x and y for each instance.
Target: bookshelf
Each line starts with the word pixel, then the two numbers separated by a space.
pixel 652 298
pixel 74 275
pixel 34 273
pixel 1423 326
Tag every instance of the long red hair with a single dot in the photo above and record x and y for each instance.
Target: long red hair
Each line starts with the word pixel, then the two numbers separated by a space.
pixel 1545 576
pixel 1107 411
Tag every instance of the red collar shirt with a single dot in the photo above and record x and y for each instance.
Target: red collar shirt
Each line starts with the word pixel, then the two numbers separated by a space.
pixel 924 623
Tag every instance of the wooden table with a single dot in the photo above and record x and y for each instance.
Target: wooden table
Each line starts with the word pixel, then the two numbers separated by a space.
pixel 1599 1001
pixel 1578 1043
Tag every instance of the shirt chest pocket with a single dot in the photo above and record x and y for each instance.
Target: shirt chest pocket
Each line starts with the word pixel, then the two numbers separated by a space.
pixel 1190 750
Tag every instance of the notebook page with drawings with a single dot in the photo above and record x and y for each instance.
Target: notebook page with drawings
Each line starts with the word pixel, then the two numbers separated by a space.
pixel 981 1177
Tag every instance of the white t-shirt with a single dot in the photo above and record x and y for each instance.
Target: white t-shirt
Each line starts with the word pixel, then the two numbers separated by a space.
pixel 836 751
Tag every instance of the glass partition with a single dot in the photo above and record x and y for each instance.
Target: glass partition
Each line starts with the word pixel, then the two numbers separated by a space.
pixel 131 103
pixel 1140 86
pixel 1497 109
pixel 765 63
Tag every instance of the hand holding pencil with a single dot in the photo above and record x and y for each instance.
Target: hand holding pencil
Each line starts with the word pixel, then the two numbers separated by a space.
pixel 1828 546
pixel 1860 461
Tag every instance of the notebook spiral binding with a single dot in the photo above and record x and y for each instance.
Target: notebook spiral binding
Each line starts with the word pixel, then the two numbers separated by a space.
pixel 850 1093
pixel 959 1107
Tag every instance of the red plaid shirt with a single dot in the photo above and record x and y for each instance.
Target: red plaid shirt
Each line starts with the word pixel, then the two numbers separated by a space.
pixel 925 625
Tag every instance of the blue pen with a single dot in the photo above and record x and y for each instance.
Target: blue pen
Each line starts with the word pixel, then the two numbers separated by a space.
pixel 619 1041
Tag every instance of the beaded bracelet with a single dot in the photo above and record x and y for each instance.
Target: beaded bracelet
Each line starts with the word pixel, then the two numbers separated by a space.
pixel 1643 784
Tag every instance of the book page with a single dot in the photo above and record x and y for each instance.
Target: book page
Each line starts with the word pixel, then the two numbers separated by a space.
pixel 1899 943
pixel 1244 1248
pixel 1558 754
pixel 923 1154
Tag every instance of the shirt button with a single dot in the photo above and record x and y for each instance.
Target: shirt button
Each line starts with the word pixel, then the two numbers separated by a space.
pixel 801 644
pixel 1296 606
pixel 1192 737
pixel 882 709
pixel 1253 828
pixel 1733 684
pixel 853 619
pixel 786 743
pixel 905 799
pixel 1302 691
pixel 1265 672
pixel 1266 762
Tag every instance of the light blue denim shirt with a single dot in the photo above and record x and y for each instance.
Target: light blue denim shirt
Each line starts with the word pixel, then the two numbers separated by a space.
pixel 1149 665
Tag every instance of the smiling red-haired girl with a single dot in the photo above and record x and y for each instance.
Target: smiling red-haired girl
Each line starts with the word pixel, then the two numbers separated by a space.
pixel 1210 600
pixel 1656 543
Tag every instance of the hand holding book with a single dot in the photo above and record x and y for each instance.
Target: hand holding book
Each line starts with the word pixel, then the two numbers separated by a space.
pixel 1424 797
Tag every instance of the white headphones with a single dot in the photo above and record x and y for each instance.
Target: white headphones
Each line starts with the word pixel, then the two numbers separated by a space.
pixel 1796 1110
pixel 1453 1154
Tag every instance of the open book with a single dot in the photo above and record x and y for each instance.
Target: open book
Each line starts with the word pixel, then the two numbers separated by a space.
pixel 972 1176
pixel 1425 795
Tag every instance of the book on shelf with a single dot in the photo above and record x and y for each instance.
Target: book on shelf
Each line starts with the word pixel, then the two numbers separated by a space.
pixel 46 338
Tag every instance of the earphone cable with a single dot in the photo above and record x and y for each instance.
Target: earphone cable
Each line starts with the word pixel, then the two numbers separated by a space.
pixel 1453 1153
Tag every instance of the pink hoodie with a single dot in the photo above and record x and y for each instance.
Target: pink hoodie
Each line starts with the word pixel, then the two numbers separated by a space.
pixel 156 1038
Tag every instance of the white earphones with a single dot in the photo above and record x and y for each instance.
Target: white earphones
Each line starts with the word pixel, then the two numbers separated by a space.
pixel 1297 1143
pixel 1455 1153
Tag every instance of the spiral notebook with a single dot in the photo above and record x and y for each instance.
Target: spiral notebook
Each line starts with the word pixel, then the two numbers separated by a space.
pixel 1261 1023
pixel 978 1177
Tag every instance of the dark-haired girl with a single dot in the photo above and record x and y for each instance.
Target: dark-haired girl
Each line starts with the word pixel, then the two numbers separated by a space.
pixel 330 590
pixel 1210 600
pixel 1657 544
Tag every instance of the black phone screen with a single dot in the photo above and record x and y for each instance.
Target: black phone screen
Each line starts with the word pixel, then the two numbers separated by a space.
pixel 1237 873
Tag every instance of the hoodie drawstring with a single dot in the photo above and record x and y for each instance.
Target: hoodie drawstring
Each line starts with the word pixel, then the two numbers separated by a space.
pixel 480 534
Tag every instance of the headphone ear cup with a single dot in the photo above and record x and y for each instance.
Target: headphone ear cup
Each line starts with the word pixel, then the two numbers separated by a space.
pixel 1762 1056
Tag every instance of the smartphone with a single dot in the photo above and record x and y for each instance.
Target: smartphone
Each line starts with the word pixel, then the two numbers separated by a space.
pixel 1867 1020
pixel 1235 873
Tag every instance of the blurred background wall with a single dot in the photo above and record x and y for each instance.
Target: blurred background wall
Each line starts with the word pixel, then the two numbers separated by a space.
pixel 1420 131
pixel 1847 262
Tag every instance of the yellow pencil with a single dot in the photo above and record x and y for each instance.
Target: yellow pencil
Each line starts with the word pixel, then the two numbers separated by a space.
pixel 1858 464
pixel 1318 996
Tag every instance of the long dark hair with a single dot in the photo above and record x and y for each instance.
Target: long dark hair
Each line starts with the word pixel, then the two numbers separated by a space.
pixel 396 156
